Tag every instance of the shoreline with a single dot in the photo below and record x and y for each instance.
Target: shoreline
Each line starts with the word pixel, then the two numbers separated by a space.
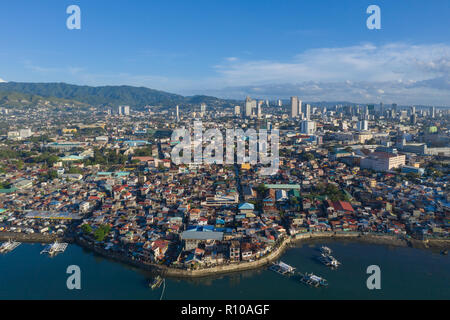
pixel 289 242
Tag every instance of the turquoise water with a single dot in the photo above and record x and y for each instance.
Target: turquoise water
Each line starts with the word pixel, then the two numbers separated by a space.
pixel 406 273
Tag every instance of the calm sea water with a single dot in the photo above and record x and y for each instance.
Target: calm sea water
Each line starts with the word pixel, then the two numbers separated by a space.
pixel 406 273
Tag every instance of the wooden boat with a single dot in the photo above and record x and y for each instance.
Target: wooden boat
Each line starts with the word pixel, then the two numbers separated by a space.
pixel 156 282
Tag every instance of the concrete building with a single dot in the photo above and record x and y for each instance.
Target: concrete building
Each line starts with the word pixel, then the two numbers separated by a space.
pixel 193 237
pixel 308 127
pixel 307 111
pixel 250 105
pixel 294 107
pixel 362 125
pixel 383 161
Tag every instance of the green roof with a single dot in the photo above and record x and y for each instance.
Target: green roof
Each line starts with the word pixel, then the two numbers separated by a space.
pixel 11 190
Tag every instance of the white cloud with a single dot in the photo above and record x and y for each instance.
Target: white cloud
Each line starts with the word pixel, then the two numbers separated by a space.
pixel 1 80
pixel 399 72
pixel 365 62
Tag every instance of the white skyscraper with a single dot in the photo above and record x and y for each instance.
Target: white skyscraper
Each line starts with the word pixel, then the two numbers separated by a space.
pixel 307 112
pixel 259 110
pixel 237 110
pixel 308 127
pixel 363 125
pixel 177 112
pixel 294 107
pixel 432 112
pixel 250 105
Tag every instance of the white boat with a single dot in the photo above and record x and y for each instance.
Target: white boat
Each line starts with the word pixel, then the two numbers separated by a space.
pixel 282 268
pixel 313 280
pixel 9 246
pixel 326 250
pixel 55 248
pixel 329 261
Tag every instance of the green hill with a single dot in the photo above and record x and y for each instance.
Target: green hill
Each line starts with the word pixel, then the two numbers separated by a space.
pixel 99 96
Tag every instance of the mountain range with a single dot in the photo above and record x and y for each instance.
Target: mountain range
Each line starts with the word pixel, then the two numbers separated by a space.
pixel 17 93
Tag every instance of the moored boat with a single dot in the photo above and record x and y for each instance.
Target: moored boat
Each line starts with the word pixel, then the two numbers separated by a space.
pixel 156 282
pixel 325 250
pixel 313 280
pixel 9 246
pixel 329 261
pixel 55 248
pixel 282 268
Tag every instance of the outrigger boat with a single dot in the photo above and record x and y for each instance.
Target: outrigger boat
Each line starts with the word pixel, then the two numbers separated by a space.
pixel 55 248
pixel 156 282
pixel 325 250
pixel 282 268
pixel 313 280
pixel 329 261
pixel 9 246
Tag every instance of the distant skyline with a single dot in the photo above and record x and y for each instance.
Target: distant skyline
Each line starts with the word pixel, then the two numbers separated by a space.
pixel 317 50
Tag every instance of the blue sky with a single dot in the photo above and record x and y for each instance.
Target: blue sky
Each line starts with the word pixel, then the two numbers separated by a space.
pixel 319 50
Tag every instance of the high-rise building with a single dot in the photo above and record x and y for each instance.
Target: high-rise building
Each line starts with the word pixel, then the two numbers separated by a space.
pixel 177 112
pixel 203 108
pixel 363 125
pixel 307 113
pixel 126 110
pixel 432 112
pixel 237 110
pixel 280 103
pixel 259 111
pixel 294 107
pixel 308 127
pixel 250 105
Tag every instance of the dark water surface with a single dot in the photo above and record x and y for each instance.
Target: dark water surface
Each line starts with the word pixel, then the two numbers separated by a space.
pixel 406 273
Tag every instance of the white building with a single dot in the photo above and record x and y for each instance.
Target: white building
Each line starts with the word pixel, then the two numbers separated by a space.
pixel 250 105
pixel 383 161
pixel 362 125
pixel 308 127
pixel 294 107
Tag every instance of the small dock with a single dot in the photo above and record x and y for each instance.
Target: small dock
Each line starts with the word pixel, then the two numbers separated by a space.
pixel 282 268
pixel 9 246
pixel 55 248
